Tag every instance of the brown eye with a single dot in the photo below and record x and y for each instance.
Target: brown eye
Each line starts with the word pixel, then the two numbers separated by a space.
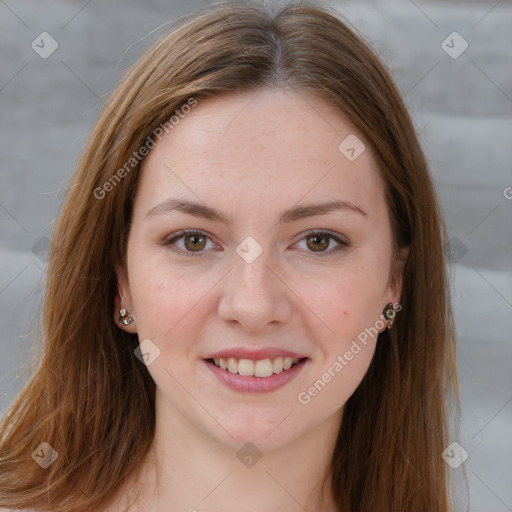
pixel 194 242
pixel 318 242
pixel 191 243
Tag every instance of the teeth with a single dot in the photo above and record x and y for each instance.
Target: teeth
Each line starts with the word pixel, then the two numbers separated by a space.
pixel 278 365
pixel 233 365
pixel 246 367
pixel 288 361
pixel 261 368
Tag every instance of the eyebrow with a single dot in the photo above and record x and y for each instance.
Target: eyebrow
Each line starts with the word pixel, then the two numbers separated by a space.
pixel 292 214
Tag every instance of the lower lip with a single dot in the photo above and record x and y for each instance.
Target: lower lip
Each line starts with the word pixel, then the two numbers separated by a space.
pixel 252 384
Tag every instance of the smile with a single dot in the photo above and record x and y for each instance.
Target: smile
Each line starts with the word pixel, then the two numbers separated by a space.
pixel 260 376
pixel 261 368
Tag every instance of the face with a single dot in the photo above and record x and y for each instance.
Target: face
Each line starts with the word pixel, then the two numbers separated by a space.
pixel 266 274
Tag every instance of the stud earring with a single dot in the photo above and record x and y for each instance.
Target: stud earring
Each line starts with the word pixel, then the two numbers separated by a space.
pixel 124 318
pixel 390 314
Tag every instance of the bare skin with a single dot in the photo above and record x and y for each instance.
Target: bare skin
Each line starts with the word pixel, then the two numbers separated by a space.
pixel 252 156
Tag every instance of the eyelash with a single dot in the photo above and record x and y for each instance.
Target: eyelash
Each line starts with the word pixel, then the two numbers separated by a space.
pixel 191 232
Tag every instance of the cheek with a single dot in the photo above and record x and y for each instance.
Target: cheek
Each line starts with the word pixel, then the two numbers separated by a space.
pixel 171 303
pixel 160 296
pixel 350 310
pixel 161 299
pixel 330 389
pixel 349 300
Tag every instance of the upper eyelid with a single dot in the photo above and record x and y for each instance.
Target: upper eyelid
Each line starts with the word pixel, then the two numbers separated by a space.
pixel 187 232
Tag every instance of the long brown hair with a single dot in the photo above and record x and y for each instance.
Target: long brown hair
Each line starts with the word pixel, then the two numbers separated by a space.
pixel 92 400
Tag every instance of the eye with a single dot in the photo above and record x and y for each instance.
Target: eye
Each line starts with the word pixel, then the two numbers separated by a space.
pixel 194 242
pixel 322 240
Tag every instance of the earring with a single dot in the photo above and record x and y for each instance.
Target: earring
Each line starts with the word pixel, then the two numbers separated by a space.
pixel 389 313
pixel 124 318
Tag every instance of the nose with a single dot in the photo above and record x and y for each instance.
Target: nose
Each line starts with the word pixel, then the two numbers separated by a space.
pixel 255 296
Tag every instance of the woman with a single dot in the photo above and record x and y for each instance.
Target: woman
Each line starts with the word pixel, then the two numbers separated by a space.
pixel 247 304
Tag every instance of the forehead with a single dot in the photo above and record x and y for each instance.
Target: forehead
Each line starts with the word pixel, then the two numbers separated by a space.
pixel 274 146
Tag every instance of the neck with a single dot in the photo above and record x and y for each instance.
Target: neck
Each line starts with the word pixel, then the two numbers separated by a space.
pixel 188 469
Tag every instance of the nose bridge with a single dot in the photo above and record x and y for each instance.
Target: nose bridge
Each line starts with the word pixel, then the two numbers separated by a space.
pixel 254 296
pixel 253 271
pixel 261 274
pixel 252 251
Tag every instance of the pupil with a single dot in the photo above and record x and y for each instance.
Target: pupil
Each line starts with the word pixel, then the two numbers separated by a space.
pixel 317 238
pixel 195 243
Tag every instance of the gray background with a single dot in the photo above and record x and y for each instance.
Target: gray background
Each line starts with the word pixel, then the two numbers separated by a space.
pixel 462 108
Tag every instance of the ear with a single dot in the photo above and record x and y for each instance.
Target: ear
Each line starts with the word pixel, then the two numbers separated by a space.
pixel 123 300
pixel 396 281
pixel 394 289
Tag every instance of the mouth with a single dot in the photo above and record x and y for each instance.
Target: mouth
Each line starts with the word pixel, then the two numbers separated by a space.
pixel 261 368
pixel 261 376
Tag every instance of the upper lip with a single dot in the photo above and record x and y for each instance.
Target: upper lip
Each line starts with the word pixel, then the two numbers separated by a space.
pixel 254 354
